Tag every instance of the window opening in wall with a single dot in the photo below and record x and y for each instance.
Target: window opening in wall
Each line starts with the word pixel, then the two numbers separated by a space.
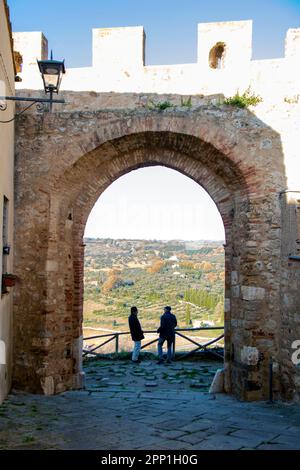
pixel 217 55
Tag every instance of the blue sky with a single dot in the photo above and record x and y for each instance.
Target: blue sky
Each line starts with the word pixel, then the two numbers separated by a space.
pixel 170 25
pixel 179 208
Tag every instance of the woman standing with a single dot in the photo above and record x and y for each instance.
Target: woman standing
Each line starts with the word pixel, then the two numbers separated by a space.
pixel 136 333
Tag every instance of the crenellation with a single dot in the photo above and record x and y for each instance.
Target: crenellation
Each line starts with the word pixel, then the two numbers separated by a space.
pixel 235 36
pixel 224 63
pixel 292 44
pixel 32 46
pixel 118 48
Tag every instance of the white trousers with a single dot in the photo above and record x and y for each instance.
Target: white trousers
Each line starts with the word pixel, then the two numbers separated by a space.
pixel 136 350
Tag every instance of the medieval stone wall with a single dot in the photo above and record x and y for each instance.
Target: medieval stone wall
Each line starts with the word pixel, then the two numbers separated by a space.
pixel 247 160
pixel 64 162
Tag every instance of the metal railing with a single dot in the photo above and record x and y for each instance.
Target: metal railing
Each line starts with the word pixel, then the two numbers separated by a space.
pixel 178 332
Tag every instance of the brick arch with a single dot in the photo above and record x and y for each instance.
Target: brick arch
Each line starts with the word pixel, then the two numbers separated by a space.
pixel 216 173
pixel 59 195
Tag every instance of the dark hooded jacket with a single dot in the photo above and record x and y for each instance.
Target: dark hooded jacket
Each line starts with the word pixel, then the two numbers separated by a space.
pixel 135 328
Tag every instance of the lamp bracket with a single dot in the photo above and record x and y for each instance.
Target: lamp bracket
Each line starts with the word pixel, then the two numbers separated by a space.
pixel 34 100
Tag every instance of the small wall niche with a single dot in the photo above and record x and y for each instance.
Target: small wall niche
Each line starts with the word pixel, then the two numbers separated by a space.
pixel 217 56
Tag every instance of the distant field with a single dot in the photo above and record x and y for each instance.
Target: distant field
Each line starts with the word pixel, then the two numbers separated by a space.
pixel 151 274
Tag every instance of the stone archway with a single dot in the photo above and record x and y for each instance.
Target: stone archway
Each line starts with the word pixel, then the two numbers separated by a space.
pixel 64 165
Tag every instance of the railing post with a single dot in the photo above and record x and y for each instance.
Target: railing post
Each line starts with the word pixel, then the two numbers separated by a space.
pixel 117 343
pixel 174 346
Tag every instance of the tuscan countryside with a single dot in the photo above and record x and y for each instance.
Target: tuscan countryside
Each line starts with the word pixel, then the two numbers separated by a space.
pixel 149 232
pixel 150 275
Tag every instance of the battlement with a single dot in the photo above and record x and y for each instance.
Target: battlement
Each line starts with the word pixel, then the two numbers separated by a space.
pixel 224 45
pixel 224 62
pixel 119 48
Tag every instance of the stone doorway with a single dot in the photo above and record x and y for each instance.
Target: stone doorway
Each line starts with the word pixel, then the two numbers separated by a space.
pixel 69 159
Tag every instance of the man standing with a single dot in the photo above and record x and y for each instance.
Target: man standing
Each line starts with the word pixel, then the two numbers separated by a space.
pixel 166 331
pixel 136 333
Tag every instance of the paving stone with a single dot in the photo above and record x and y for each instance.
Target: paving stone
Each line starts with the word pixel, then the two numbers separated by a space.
pixel 165 434
pixel 260 435
pixel 199 385
pixel 194 438
pixel 151 420
pixel 221 443
pixel 252 424
pixel 273 447
pixel 291 441
pixel 174 423
pixel 198 425
pixel 151 384
pixel 167 444
pixel 293 430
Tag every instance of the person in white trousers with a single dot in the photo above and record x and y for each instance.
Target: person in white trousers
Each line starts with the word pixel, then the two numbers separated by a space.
pixel 136 333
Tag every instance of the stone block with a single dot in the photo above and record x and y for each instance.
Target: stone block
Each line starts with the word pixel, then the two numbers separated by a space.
pixel 253 293
pixel 235 291
pixel 51 266
pixel 234 278
pixel 249 355
pixel 217 385
pixel 48 385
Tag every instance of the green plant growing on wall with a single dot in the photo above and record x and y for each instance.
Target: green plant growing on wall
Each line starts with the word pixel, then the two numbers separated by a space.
pixel 292 100
pixel 186 103
pixel 244 100
pixel 160 106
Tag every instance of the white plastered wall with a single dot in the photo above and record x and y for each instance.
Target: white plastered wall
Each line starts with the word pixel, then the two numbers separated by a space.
pixel 118 66
pixel 6 189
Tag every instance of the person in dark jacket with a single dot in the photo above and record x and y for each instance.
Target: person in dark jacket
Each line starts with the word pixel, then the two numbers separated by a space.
pixel 136 333
pixel 166 331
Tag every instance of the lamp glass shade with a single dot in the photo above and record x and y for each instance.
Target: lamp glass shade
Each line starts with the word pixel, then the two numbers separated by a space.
pixel 52 71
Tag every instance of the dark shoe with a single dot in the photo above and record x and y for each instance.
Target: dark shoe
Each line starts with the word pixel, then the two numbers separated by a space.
pixel 136 362
pixel 160 361
pixel 169 361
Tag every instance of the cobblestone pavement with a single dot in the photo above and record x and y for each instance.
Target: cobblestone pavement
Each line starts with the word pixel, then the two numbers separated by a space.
pixel 146 406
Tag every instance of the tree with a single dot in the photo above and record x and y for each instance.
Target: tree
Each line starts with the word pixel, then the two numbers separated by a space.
pixel 187 264
pixel 112 279
pixel 219 312
pixel 187 314
pixel 212 277
pixel 156 266
pixel 206 266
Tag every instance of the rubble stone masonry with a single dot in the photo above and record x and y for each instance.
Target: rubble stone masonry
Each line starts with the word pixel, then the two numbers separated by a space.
pixel 248 162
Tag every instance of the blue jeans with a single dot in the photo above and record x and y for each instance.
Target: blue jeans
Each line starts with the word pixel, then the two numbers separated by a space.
pixel 136 350
pixel 170 342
